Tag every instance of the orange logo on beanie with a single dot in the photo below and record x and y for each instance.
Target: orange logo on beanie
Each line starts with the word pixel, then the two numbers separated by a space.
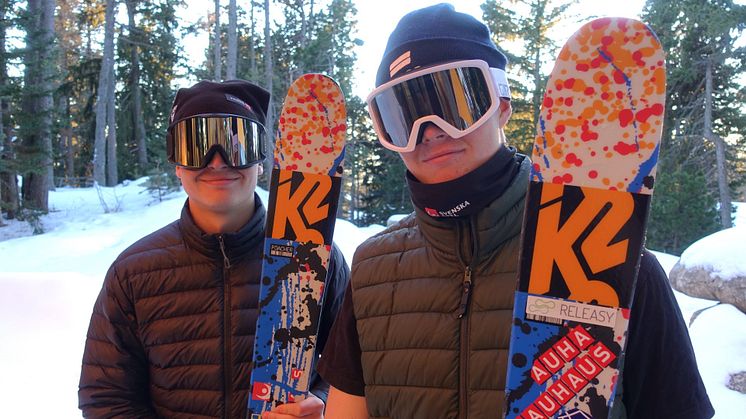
pixel 398 64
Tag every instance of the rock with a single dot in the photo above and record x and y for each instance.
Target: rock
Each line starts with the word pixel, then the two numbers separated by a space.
pixel 714 268
pixel 702 282
pixel 737 382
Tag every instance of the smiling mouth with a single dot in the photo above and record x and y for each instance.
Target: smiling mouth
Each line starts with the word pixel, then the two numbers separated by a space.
pixel 440 155
pixel 219 179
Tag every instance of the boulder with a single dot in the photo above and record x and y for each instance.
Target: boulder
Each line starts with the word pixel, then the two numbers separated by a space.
pixel 714 268
pixel 701 282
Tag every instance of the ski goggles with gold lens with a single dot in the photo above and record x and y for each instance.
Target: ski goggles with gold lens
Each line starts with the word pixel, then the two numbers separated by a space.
pixel 458 97
pixel 193 142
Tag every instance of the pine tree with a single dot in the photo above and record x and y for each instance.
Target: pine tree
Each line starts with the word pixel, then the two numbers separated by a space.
pixel 269 84
pixel 159 59
pixel 69 43
pixel 9 198
pixel 375 186
pixel 76 95
pixel 698 35
pixel 37 110
pixel 524 25
pixel 138 138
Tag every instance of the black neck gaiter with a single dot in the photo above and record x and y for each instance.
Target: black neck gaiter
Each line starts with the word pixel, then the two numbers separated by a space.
pixel 470 193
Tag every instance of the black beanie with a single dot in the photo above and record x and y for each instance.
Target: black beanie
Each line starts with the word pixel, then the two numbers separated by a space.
pixel 435 35
pixel 232 97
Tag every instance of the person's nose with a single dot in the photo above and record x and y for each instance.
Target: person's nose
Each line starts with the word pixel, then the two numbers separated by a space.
pixel 432 132
pixel 217 162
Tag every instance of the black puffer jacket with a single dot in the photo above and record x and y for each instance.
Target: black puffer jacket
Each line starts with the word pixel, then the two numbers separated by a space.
pixel 172 331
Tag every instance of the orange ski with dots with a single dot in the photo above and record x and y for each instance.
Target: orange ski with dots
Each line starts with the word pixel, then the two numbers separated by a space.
pixel 594 161
pixel 303 198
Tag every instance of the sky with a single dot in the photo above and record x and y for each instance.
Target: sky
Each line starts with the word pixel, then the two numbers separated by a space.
pixel 49 282
pixel 377 19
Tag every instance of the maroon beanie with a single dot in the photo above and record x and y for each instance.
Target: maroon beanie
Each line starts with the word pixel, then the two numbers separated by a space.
pixel 233 97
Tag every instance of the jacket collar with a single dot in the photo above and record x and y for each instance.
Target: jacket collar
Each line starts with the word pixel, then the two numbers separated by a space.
pixel 237 244
pixel 497 223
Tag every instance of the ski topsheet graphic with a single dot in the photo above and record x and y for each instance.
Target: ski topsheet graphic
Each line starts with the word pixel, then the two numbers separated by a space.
pixel 594 162
pixel 303 198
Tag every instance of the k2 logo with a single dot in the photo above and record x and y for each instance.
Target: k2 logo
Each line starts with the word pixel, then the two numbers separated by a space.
pixel 300 203
pixel 559 234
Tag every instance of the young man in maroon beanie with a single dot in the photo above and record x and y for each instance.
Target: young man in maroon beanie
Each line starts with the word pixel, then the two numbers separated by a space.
pixel 424 329
pixel 172 331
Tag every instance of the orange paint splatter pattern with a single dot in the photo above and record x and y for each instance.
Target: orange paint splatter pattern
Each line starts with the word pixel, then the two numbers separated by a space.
pixel 310 136
pixel 602 114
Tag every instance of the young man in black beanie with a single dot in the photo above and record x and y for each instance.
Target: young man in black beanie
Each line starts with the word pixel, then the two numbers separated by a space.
pixel 424 329
pixel 172 331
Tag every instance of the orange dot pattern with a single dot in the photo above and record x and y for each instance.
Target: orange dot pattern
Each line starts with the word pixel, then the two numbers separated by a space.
pixel 602 114
pixel 312 127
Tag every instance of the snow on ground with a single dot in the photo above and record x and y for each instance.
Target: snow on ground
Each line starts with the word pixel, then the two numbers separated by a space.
pixel 48 284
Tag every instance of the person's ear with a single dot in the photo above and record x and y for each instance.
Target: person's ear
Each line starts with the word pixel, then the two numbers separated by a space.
pixel 506 110
pixel 260 169
pixel 178 170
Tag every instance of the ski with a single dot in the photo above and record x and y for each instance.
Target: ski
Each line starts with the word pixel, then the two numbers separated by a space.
pixel 594 161
pixel 303 198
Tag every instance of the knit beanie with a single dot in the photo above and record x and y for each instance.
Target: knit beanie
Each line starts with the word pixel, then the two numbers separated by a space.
pixel 233 97
pixel 435 35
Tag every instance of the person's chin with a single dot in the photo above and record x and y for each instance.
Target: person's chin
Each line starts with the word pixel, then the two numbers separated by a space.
pixel 440 175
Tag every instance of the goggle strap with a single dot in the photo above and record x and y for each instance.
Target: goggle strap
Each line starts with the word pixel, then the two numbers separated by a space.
pixel 501 82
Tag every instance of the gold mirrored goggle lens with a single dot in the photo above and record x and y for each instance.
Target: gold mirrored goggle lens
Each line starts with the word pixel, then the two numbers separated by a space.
pixel 241 141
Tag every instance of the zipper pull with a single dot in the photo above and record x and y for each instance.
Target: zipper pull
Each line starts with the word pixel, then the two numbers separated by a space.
pixel 226 261
pixel 466 291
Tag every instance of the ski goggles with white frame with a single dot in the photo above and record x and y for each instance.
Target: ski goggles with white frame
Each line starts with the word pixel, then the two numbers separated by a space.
pixel 458 97
pixel 193 142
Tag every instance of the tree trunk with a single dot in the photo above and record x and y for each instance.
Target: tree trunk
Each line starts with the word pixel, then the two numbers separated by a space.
pixel 230 73
pixel 137 118
pixel 311 15
pixel 107 68
pixel 112 177
pixel 252 43
pixel 66 136
pixel 64 117
pixel 537 96
pixel 725 202
pixel 268 77
pixel 47 99
pixel 2 126
pixel 301 42
pixel 8 174
pixel 217 64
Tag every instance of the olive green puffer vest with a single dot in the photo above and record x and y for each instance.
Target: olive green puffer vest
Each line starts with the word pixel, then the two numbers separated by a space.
pixel 434 309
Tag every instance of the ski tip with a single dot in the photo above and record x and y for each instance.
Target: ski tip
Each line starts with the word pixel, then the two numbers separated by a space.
pixel 602 113
pixel 313 126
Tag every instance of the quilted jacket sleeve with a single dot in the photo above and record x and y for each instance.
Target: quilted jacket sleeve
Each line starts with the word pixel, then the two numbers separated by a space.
pixel 114 376
pixel 337 280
